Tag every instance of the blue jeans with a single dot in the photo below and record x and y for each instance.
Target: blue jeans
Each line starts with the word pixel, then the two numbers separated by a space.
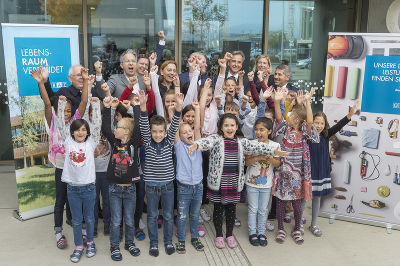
pixel 257 199
pixel 82 197
pixel 189 202
pixel 102 186
pixel 153 195
pixel 122 196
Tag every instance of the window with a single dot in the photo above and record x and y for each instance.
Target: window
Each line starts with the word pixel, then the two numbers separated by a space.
pixel 217 26
pixel 114 27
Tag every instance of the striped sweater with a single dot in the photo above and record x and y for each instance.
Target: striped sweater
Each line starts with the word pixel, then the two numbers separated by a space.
pixel 158 165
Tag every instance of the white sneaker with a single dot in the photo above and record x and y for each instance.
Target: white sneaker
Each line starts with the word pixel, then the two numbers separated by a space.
pixel 204 214
pixel 142 225
pixel 200 220
pixel 270 226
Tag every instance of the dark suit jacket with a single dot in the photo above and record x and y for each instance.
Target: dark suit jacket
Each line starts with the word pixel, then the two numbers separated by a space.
pixel 185 81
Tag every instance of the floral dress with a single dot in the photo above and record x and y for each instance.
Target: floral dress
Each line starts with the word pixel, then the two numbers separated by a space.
pixel 292 179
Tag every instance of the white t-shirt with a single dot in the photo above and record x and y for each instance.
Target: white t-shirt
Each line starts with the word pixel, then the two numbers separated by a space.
pixel 79 167
pixel 260 174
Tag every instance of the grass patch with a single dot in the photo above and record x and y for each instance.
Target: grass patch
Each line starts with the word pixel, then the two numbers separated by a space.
pixel 36 187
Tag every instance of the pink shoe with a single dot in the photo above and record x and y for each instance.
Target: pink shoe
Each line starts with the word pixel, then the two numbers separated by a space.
pixel 219 242
pixel 231 242
pixel 201 231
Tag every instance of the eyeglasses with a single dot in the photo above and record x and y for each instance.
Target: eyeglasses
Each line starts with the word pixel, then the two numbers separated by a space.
pixel 76 75
pixel 129 61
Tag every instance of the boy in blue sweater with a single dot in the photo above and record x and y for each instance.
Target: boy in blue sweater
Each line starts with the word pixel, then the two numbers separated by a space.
pixel 159 171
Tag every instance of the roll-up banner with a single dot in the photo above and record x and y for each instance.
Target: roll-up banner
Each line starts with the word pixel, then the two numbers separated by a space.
pixel 25 48
pixel 365 155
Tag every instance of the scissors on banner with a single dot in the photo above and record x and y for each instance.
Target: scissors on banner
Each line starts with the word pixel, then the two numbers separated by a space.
pixel 350 208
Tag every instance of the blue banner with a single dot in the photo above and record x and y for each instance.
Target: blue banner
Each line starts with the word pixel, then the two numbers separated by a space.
pixel 31 52
pixel 381 89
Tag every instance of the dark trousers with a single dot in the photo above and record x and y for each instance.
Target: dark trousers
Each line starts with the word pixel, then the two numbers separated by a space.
pixel 61 200
pixel 218 216
pixel 140 193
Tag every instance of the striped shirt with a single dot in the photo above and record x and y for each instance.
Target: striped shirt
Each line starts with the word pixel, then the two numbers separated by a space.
pixel 158 165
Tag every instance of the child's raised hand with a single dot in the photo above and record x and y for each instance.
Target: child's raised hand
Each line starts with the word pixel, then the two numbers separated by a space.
pixel 153 58
pixel 285 92
pixel 228 56
pixel 300 97
pixel 90 81
pixel 309 94
pixel 196 105
pixel 267 93
pixel 37 74
pixel 280 153
pixel 126 104
pixel 192 63
pixel 107 101
pixel 354 109
pixel 132 81
pixel 278 95
pixel 142 99
pixel 260 75
pixel 94 99
pixel 179 101
pixel 222 63
pixel 62 98
pixel 176 80
pixel 135 100
pixel 85 73
pixel 241 74
pixel 154 69
pixel 161 35
pixel 104 87
pixel 98 66
pixel 218 100
pixel 45 72
pixel 114 102
pixel 146 79
pixel 207 83
pixel 250 76
pixel 192 148
pixel 245 99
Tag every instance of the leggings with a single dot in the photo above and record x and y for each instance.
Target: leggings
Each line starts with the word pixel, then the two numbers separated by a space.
pixel 218 216
pixel 280 213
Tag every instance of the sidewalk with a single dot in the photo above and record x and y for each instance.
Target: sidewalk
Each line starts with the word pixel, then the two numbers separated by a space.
pixel 32 242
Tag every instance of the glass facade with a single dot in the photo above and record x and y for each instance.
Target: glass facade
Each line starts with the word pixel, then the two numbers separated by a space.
pixel 297 33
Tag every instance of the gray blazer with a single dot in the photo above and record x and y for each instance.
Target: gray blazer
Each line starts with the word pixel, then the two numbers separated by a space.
pixel 117 84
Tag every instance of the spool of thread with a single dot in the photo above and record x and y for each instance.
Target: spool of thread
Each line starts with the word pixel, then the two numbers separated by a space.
pixel 329 75
pixel 354 82
pixel 341 82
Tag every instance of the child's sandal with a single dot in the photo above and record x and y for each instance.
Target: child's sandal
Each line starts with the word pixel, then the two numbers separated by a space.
pixel 219 242
pixel 297 237
pixel 315 230
pixel 62 242
pixel 280 238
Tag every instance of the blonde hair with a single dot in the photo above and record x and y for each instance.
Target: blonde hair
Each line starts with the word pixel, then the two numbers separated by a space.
pixel 128 123
pixel 231 106
pixel 258 59
pixel 164 65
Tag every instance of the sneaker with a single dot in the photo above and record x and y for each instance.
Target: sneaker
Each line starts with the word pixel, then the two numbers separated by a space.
pixel 201 231
pixel 132 249
pixel 237 222
pixel 159 221
pixel 116 254
pixel 287 218
pixel 76 255
pixel 90 250
pixel 142 225
pixel 180 247
pixel 140 235
pixel 169 249
pixel 204 214
pixel 254 241
pixel 62 242
pixel 197 244
pixel 270 226
pixel 153 251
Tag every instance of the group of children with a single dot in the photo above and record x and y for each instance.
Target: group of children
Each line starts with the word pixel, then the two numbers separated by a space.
pixel 247 141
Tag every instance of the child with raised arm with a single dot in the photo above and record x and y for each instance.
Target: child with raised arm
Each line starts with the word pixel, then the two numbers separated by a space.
pixel 226 173
pixel 159 171
pixel 321 162
pixel 189 176
pixel 56 153
pixel 122 174
pixel 79 170
pixel 292 180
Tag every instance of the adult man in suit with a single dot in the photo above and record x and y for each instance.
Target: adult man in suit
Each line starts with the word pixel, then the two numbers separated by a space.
pixel 128 62
pixel 185 77
pixel 235 64
pixel 282 77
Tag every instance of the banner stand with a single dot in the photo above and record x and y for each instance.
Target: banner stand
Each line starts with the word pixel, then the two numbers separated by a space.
pixel 332 217
pixel 33 213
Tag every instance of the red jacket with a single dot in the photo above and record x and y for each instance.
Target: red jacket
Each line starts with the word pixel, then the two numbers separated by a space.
pixel 151 100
